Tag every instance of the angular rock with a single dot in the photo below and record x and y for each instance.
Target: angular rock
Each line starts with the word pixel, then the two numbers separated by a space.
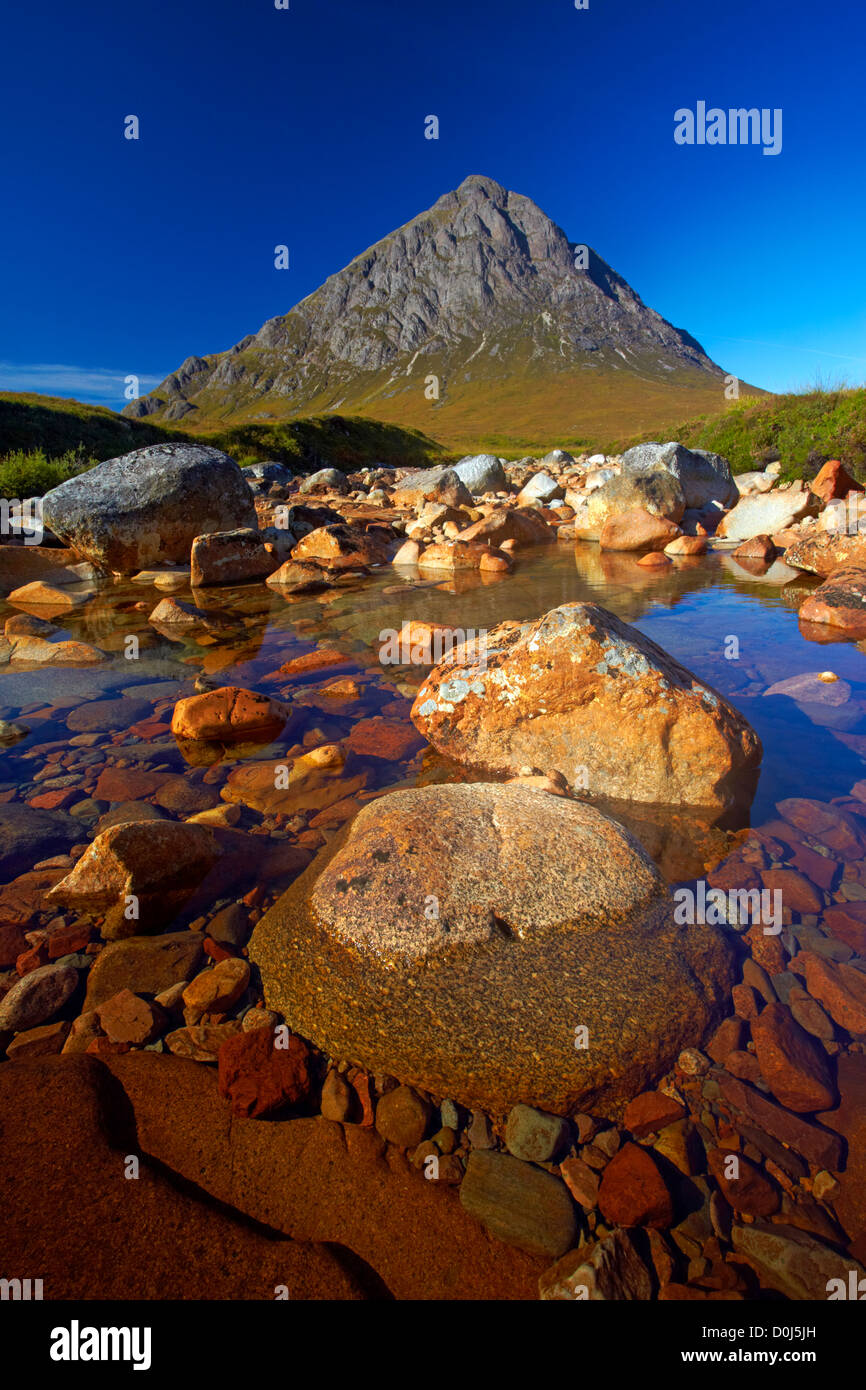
pixel 481 473
pixel 765 515
pixel 818 1146
pixel 833 481
pixel 581 693
pixel 828 551
pixel 295 577
pixel 608 1270
pixel 145 508
pixel 126 1017
pixel 540 488
pixel 146 869
pixel 533 1135
pixel 793 1065
pixel 467 964
pixel 792 1261
pixel 259 1076
pixel 746 1190
pixel 633 1191
pixel 650 1112
pixel 432 485
pixel 230 557
pixel 840 988
pixel 341 547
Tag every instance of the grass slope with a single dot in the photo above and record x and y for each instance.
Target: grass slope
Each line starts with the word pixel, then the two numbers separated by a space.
pixel 46 439
pixel 802 430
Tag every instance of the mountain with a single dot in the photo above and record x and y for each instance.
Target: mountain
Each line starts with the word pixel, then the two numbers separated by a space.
pixel 532 339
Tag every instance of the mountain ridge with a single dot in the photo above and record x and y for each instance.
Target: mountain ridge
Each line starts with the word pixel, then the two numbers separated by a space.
pixel 478 316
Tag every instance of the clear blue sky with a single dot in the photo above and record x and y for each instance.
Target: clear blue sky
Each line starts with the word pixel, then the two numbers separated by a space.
pixel 305 127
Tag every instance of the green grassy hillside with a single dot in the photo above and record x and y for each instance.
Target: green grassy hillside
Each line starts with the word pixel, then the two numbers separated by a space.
pixel 46 439
pixel 802 430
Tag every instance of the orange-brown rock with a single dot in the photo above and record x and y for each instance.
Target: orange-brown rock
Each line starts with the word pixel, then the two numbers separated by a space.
pixel 742 1183
pixel 308 783
pixel 756 548
pixel 847 922
pixel 513 527
pixel 139 874
pixel 391 739
pixel 633 1191
pixel 63 1135
pixel 840 988
pixel 792 1063
pixel 827 551
pixel 453 556
pixel 230 557
pixel 581 693
pixel 840 602
pixel 228 715
pixel 340 546
pixel 496 562
pixel 443 914
pixel 687 545
pixel 651 1111
pixel 260 1071
pixel 637 529
pixel 654 560
pixel 833 481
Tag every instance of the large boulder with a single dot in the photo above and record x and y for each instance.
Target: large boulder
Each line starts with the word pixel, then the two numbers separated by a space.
pixel 468 933
pixel 704 477
pixel 581 693
pixel 658 493
pixel 145 508
pixel 481 473
pixel 765 515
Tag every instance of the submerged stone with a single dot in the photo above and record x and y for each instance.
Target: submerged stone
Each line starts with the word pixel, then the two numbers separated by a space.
pixel 493 944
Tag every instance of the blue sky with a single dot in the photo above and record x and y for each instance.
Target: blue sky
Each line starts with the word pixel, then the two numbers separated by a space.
pixel 305 126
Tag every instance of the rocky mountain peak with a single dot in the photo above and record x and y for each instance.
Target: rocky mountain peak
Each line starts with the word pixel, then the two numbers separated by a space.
pixel 479 293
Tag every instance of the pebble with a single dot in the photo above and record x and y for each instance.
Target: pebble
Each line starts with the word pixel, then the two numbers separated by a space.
pixel 402 1117
pixel 37 997
pixel 533 1135
pixel 519 1203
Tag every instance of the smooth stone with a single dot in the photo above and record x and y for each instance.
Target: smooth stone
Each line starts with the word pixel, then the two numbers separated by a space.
pixel 519 1203
pixel 465 964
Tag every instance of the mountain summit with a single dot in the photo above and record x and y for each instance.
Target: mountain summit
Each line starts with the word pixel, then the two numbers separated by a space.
pixel 479 318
